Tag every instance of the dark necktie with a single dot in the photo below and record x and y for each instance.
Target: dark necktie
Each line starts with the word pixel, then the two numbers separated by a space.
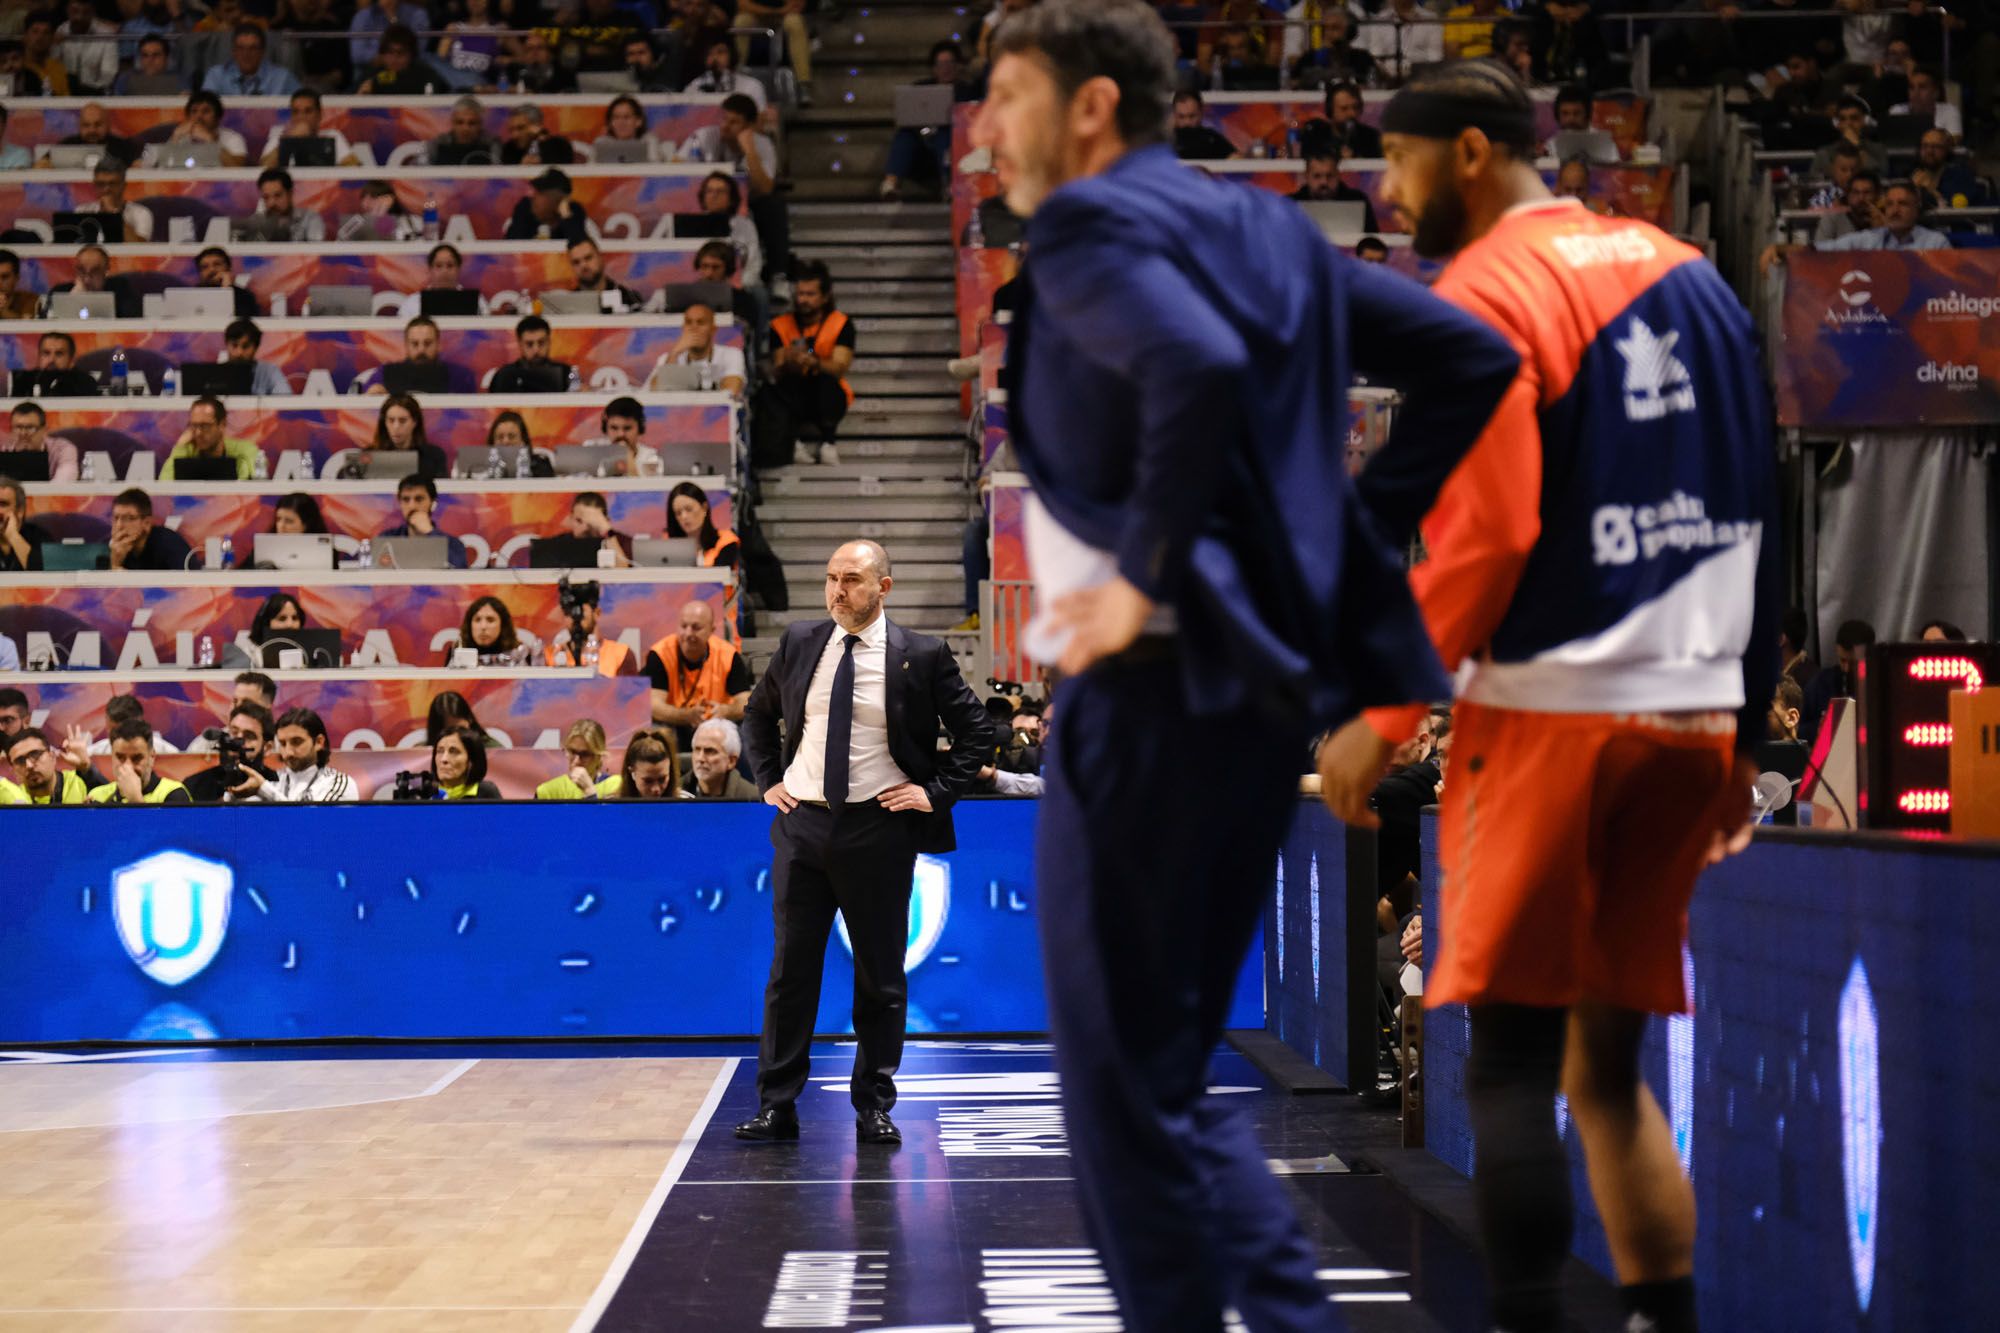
pixel 840 726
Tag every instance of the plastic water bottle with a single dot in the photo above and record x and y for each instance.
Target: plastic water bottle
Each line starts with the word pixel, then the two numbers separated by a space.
pixel 366 554
pixel 260 467
pixel 205 654
pixel 89 473
pixel 1259 149
pixel 228 553
pixel 590 651
pixel 431 218
pixel 500 83
pixel 975 231
pixel 1292 140
pixel 493 469
pixel 120 385
pixel 575 381
pixel 170 382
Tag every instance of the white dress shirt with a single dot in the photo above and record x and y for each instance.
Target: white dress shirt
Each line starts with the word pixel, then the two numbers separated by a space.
pixel 870 770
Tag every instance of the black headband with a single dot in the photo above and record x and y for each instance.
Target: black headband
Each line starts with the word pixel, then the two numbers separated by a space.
pixel 1428 115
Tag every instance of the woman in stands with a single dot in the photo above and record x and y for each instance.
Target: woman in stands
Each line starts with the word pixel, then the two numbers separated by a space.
pixel 583 746
pixel 489 630
pixel 399 426
pixel 688 516
pixel 279 616
pixel 458 762
pixel 382 217
pixel 469 52
pixel 722 197
pixel 510 431
pixel 625 122
pixel 651 772
pixel 298 513
pixel 450 711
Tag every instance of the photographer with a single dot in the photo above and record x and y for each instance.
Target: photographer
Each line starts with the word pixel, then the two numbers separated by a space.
pixel 1017 758
pixel 239 747
pixel 580 645
pixel 305 780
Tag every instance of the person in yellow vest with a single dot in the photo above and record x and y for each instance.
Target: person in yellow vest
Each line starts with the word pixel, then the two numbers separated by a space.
pixel 583 746
pixel 134 782
pixel 38 778
pixel 696 674
pixel 651 771
pixel 458 762
pixel 688 515
pixel 811 349
pixel 612 658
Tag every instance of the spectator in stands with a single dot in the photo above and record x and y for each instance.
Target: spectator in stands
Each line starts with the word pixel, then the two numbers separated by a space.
pixel 1927 106
pixel 721 196
pixel 417 497
pixel 305 777
pixel 529 143
pixel 444 268
pixel 214 269
pixel 607 657
pixel 277 217
pixel 1573 182
pixel 38 59
pixel 596 30
pixel 716 262
pixel 720 77
pixel 399 427
pixel 134 781
pixel 306 121
pixel 537 72
pixel 242 339
pixel 450 711
pixel 923 153
pixel 1572 109
pixel 297 513
pixel 380 217
pixel 1341 131
pixel 93 129
pixel 13 157
pixel 1863 197
pixel 1954 184
pixel 1324 185
pixel 1239 32
pixel 697 346
pixel 652 761
pixel 688 515
pixel 466 143
pixel 489 631
pixel 1567 42
pixel 1323 49
pixel 696 674
pixel 31 435
pixel 206 437
pixel 509 431
pixel 531 370
pixel 118 708
pixel 1371 250
pixel 136 543
pixel 786 15
pixel 583 747
pixel 1841 167
pixel 398 70
pixel 1413 782
pixel 281 614
pixel 423 345
pixel 469 52
pixel 1850 124
pixel 650 74
pixel 1194 140
pixel 458 763
pixel 586 266
pixel 1793 631
pixel 1839 680
pixel 15 710
pixel 712 758
pixel 548 213
pixel 247 72
pixel 154 61
pixel 1468 29
pixel 15 303
pixel 590 519
pixel 201 122
pixel 738 143
pixel 624 424
pixel 92 270
pixel 249 725
pixel 1901 206
pixel 625 123
pixel 1402 35
pixel 20 540
pixel 811 348
pixel 40 780
pixel 57 351
pixel 1940 631
pixel 88 54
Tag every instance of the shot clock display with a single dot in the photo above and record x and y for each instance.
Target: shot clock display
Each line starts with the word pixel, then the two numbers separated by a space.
pixel 1906 729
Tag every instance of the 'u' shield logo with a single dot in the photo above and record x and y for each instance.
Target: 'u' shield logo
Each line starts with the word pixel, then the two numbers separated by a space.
pixel 930 906
pixel 172 911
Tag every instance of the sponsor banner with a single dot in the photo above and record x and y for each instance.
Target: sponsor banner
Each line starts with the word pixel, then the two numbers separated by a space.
pixel 364 712
pixel 87 623
pixel 391 131
pixel 1265 119
pixel 980 274
pixel 1891 338
pixel 610 353
pixel 496 526
pixel 624 201
pixel 280 277
pixel 295 437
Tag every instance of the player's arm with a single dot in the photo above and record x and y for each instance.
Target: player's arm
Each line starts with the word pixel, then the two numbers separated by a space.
pixel 1452 370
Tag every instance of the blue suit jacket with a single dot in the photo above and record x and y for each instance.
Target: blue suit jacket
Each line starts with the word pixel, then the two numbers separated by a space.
pixel 1177 383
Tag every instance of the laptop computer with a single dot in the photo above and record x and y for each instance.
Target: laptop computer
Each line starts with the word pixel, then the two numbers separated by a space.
pixel 923 105
pixel 319 647
pixel 621 150
pixel 543 377
pixel 195 303
pixel 564 552
pixel 71 554
pixel 1337 219
pixel 657 552
pixel 715 295
pixel 260 229
pixel 606 81
pixel 25 465
pixel 390 464
pixel 1590 145
pixel 72 156
pixel 449 154
pixel 676 379
pixel 217 379
pixel 412 553
pixel 154 85
pixel 316 151
pixel 475 460
pixel 416 377
pixel 448 301
pixel 294 550
pixel 77 228
pixel 350 302
pixel 205 469
pixel 701 226
pixel 589 460
pixel 556 301
pixel 83 305
pixel 53 384
pixel 193 156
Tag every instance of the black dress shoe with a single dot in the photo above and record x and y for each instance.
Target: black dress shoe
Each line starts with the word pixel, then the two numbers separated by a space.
pixel 770 1125
pixel 876 1127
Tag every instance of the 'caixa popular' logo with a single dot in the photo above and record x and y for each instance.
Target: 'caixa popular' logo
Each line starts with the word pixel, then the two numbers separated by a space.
pixel 172 911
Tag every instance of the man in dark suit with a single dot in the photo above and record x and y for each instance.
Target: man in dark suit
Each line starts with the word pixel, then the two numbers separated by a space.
pixel 860 788
pixel 1207 581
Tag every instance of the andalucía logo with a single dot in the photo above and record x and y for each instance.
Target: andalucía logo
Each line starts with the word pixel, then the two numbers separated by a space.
pixel 172 911
pixel 1855 294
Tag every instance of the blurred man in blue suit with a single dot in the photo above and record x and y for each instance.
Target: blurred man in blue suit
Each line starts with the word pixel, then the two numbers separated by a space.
pixel 1207 584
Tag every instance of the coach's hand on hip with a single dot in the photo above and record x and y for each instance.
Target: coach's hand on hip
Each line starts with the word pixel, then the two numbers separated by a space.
pixel 1101 621
pixel 906 796
pixel 784 800
pixel 1351 763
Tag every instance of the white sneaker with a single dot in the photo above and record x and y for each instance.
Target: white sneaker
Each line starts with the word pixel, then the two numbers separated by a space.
pixel 829 455
pixel 803 456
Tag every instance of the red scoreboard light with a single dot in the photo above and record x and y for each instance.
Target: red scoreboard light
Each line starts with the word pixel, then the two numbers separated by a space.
pixel 1906 731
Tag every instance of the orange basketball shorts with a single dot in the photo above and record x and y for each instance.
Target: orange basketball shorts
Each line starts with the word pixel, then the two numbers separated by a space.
pixel 1569 849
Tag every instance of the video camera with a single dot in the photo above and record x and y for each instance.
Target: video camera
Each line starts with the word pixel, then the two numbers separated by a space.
pixel 233 752
pixel 575 596
pixel 416 786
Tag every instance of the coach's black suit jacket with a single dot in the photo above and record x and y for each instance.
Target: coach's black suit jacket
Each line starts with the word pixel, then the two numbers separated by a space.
pixel 923 688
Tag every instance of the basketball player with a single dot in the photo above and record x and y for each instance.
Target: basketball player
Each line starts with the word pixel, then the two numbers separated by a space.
pixel 1179 364
pixel 1604 558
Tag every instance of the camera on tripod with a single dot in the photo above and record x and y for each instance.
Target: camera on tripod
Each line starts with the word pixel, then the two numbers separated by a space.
pixel 575 596
pixel 416 786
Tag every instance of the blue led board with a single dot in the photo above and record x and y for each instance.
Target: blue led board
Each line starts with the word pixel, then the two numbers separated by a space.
pixel 474 920
pixel 1833 1093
